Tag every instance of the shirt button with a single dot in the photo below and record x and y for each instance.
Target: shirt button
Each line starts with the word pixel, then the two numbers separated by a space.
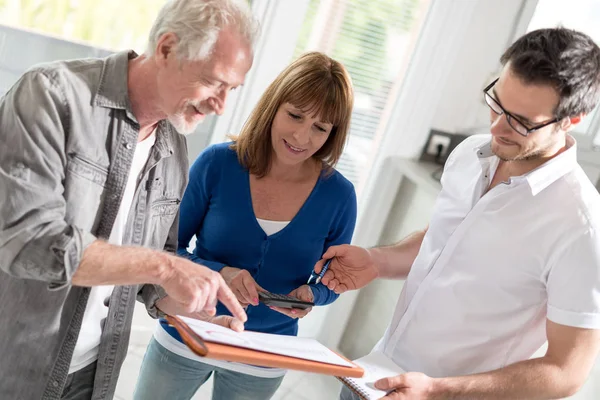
pixel 129 146
pixel 55 383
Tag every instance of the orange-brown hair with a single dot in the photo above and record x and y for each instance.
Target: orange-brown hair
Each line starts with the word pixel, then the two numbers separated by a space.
pixel 314 83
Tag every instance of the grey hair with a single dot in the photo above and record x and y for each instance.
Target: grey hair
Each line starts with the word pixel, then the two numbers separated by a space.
pixel 197 24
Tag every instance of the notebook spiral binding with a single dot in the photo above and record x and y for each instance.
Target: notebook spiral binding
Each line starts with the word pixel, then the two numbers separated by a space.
pixel 349 382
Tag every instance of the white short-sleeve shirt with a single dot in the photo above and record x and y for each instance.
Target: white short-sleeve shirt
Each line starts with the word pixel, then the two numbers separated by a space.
pixel 493 266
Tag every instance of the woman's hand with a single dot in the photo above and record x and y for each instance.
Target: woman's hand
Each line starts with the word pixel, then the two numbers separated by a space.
pixel 242 284
pixel 303 293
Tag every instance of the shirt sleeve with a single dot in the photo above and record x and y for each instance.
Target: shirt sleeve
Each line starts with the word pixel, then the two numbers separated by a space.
pixel 194 205
pixel 341 233
pixel 36 242
pixel 574 283
pixel 149 294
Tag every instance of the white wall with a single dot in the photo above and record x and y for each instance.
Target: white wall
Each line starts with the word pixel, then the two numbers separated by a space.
pixel 21 49
pixel 410 209
pixel 491 30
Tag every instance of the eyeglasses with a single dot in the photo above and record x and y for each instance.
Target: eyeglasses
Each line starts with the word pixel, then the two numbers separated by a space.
pixel 513 121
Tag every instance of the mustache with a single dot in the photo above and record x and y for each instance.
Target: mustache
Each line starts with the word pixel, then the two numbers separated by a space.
pixel 202 107
pixel 507 140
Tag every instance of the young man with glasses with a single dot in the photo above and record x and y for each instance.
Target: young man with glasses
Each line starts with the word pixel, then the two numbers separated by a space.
pixel 511 257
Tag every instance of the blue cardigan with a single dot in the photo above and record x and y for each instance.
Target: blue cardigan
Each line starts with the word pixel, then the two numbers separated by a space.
pixel 217 208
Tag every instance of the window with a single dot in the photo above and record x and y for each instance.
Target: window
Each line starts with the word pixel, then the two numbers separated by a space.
pixel 374 40
pixel 108 24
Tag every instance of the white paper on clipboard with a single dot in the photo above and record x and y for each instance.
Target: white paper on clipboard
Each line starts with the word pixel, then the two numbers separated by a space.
pixel 304 348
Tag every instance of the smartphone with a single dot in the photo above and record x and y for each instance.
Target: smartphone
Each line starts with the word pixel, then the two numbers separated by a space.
pixel 283 301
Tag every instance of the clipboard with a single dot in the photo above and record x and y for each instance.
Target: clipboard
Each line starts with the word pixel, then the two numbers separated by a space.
pixel 227 352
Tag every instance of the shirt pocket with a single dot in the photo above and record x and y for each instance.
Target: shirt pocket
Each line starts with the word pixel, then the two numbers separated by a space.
pixel 84 187
pixel 166 207
pixel 163 212
pixel 84 168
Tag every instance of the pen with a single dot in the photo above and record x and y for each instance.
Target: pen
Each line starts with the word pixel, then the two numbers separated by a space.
pixel 317 277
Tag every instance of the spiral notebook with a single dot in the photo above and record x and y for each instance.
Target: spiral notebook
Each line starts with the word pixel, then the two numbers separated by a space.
pixel 376 365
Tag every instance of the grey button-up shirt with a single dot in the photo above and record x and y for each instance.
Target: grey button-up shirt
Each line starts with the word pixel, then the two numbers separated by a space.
pixel 67 139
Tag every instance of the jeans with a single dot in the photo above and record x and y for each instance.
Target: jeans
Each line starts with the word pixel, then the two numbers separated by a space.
pixel 166 375
pixel 80 384
pixel 347 394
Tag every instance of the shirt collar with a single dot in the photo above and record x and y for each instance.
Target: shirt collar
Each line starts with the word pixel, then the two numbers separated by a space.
pixel 165 135
pixel 547 173
pixel 112 91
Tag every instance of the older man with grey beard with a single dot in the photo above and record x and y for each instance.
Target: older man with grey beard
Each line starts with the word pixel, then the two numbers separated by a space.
pixel 92 169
